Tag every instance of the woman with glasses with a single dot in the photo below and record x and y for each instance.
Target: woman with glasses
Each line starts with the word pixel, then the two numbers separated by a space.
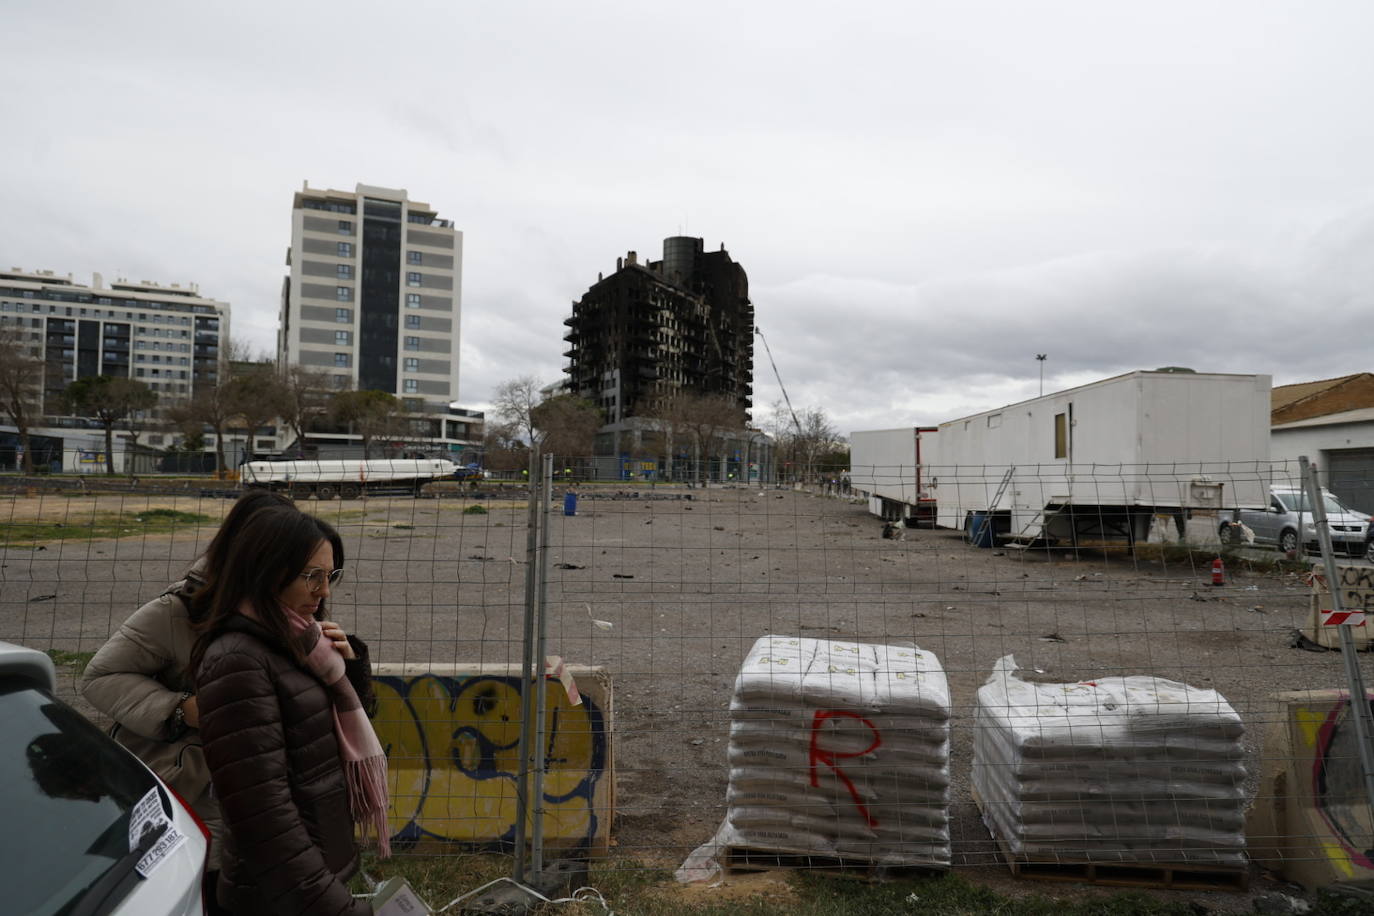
pixel 141 677
pixel 292 756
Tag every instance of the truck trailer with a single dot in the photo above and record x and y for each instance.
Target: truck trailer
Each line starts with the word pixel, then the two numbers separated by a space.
pixel 885 466
pixel 1106 461
pixel 346 478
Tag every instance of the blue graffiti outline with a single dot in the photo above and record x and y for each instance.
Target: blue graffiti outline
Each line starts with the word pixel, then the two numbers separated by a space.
pixel 455 686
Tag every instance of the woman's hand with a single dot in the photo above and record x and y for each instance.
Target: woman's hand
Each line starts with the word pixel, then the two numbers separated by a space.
pixel 190 712
pixel 335 634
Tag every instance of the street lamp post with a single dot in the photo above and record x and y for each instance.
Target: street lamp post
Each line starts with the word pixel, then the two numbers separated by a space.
pixel 1040 358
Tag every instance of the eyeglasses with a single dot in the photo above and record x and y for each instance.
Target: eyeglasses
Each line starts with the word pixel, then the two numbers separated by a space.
pixel 315 578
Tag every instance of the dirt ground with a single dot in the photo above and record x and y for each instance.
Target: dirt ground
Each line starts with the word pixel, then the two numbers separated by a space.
pixel 687 581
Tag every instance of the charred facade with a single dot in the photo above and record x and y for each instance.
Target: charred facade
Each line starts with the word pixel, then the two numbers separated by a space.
pixel 649 331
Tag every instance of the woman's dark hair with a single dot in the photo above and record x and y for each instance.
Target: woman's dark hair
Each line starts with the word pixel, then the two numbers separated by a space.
pixel 270 547
pixel 218 549
pixel 213 557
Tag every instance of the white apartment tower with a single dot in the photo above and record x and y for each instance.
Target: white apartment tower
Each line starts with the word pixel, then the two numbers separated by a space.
pixel 373 297
pixel 168 337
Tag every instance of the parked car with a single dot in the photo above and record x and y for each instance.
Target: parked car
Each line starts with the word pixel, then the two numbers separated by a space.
pixel 1289 512
pixel 88 828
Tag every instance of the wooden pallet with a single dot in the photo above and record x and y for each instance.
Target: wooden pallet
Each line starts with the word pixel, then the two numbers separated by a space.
pixel 742 859
pixel 1176 876
pixel 1181 876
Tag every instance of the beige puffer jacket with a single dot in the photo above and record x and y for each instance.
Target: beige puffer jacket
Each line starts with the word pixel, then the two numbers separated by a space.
pixel 137 679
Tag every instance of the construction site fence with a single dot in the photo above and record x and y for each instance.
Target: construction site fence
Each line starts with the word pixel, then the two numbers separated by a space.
pixel 1229 745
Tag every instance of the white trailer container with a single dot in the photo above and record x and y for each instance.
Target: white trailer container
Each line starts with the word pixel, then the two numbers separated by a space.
pixel 885 466
pixel 346 478
pixel 1105 460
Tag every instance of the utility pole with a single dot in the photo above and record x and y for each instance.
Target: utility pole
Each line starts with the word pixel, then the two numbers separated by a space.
pixel 1040 358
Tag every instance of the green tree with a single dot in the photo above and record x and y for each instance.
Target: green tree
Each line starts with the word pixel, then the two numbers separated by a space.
pixel 21 387
pixel 502 448
pixel 368 414
pixel 109 400
pixel 566 425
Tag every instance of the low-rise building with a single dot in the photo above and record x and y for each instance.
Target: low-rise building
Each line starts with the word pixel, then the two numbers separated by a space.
pixel 1331 421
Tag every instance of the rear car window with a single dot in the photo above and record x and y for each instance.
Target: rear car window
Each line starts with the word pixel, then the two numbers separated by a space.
pixel 67 791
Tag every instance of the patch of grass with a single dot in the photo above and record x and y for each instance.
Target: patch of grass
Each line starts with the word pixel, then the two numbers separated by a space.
pixel 400 527
pixel 475 510
pixel 77 660
pixel 1200 558
pixel 172 515
pixel 436 878
pixel 629 887
pixel 99 525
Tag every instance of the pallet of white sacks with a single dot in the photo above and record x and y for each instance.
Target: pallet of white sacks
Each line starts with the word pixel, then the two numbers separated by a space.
pixel 745 859
pixel 1193 876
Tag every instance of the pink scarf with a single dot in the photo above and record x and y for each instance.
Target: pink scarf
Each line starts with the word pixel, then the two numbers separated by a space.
pixel 364 761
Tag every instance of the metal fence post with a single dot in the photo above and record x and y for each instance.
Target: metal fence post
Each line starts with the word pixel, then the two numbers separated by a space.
pixel 539 756
pixel 1359 700
pixel 531 669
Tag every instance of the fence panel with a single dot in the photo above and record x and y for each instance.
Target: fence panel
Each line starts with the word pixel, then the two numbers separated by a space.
pixel 658 596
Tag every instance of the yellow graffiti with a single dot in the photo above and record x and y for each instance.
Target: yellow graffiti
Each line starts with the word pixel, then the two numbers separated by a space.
pixel 1309 722
pixel 453 757
pixel 1339 858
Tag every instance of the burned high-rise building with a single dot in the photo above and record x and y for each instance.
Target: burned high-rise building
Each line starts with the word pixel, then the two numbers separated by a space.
pixel 652 330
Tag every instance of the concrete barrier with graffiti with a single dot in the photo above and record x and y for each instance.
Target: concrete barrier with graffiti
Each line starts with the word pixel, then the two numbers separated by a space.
pixel 452 733
pixel 1311 819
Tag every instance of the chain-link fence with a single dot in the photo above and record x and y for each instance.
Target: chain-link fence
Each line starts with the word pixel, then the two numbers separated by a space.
pixel 1084 677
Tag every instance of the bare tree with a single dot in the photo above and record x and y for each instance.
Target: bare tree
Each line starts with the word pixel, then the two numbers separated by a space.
pixel 109 400
pixel 305 396
pixel 21 387
pixel 219 403
pixel 513 403
pixel 803 438
pixel 708 418
pixel 672 417
pixel 256 396
pixel 211 406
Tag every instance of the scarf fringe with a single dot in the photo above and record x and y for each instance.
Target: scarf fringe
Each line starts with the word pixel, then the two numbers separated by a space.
pixel 367 799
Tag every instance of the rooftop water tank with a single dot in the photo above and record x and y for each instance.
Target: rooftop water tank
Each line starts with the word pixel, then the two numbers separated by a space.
pixel 679 257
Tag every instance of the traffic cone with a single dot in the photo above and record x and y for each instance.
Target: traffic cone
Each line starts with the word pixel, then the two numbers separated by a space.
pixel 1218 572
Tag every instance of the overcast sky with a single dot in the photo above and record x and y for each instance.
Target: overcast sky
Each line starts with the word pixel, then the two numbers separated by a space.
pixel 924 195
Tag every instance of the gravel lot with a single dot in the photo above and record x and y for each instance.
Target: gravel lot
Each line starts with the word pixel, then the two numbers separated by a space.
pixel 688 579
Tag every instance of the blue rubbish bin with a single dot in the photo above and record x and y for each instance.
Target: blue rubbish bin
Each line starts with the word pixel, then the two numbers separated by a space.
pixel 569 503
pixel 980 533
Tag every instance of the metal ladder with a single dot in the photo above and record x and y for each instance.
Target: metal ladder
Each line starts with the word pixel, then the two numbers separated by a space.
pixel 997 498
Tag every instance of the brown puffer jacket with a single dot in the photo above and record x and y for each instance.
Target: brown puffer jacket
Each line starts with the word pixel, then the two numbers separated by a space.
pixel 269 739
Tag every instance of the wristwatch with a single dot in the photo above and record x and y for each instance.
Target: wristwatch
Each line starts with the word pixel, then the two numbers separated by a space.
pixel 177 724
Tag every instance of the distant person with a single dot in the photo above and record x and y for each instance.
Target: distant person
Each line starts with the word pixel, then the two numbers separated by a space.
pixel 292 756
pixel 141 677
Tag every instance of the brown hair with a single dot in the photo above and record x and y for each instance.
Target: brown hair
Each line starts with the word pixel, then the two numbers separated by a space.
pixel 269 549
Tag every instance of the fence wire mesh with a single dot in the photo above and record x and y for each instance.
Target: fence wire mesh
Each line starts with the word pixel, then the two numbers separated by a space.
pixel 879 758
